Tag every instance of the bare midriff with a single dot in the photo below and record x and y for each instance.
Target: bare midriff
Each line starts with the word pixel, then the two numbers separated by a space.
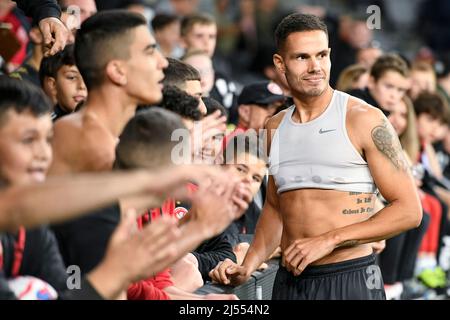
pixel 314 212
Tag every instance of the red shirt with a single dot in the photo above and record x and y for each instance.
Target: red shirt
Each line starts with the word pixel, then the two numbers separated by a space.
pixel 153 287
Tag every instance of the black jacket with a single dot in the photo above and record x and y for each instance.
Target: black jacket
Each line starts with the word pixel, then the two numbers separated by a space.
pixel 211 252
pixel 39 9
pixel 41 258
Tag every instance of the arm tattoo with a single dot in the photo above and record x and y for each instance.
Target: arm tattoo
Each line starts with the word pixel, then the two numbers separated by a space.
pixel 388 144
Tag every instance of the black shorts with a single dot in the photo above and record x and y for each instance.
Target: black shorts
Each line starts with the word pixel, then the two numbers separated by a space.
pixel 356 279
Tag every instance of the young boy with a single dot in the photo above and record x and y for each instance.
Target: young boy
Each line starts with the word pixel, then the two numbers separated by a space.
pixel 199 32
pixel 25 137
pixel 201 61
pixel 423 79
pixel 186 78
pixel 432 114
pixel 166 28
pixel 62 82
pixel 388 83
pixel 243 157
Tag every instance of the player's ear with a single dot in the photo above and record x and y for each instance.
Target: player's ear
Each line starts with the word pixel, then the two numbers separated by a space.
pixel 278 62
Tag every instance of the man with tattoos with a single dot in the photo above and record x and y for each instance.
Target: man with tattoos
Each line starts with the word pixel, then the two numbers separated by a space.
pixel 328 154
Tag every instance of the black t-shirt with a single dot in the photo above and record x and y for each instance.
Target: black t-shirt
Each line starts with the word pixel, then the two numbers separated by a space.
pixel 83 241
pixel 58 112
pixel 41 258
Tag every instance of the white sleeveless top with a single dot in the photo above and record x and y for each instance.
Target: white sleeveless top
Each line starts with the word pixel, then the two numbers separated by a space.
pixel 318 154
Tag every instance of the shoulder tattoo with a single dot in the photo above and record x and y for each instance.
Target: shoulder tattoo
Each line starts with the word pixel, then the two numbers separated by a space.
pixel 388 144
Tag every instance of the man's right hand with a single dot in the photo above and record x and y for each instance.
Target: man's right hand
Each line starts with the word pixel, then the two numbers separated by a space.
pixel 229 273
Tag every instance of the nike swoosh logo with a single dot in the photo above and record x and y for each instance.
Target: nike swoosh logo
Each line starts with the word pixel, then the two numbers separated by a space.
pixel 321 131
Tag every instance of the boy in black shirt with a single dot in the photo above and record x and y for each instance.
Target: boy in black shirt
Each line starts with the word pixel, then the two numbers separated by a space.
pixel 62 82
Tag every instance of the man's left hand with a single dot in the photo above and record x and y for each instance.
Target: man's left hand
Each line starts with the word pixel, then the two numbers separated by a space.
pixel 303 252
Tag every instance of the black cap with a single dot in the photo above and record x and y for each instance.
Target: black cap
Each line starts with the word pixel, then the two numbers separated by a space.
pixel 261 93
